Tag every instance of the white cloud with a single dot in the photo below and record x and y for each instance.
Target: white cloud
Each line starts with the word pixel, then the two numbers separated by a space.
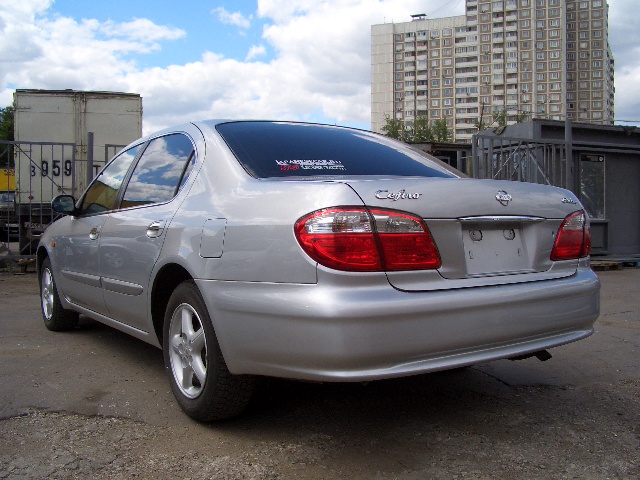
pixel 229 18
pixel 321 68
pixel 624 38
pixel 255 51
pixel 141 29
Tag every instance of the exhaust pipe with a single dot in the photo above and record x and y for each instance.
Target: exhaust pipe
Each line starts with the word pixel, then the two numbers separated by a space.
pixel 542 355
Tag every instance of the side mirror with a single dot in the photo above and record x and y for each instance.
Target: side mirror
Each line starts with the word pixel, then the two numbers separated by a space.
pixel 64 204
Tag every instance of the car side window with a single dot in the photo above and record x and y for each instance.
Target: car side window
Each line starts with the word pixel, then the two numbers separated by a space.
pixel 103 192
pixel 160 171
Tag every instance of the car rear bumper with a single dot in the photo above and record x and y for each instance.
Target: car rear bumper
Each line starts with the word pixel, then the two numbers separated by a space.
pixel 368 330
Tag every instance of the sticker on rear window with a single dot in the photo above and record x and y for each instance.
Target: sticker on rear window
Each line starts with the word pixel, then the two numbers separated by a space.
pixel 290 165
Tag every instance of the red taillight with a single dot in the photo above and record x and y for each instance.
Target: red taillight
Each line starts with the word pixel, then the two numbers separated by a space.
pixel 357 239
pixel 573 239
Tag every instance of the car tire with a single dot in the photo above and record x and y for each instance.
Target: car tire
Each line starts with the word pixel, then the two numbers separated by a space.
pixel 201 383
pixel 56 318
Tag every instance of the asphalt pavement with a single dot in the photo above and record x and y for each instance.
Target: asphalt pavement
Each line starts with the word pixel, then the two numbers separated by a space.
pixel 96 403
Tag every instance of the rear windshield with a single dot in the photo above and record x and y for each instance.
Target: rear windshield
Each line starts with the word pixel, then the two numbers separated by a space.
pixel 274 149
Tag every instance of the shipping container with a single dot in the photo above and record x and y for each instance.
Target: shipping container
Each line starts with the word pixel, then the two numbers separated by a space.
pixel 62 120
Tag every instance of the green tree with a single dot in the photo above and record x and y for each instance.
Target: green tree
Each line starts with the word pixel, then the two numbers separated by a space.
pixel 522 117
pixel 395 128
pixel 500 119
pixel 6 133
pixel 441 132
pixel 6 123
pixel 422 131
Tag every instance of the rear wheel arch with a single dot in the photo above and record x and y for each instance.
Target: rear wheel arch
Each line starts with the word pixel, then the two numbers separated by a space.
pixel 166 281
pixel 41 255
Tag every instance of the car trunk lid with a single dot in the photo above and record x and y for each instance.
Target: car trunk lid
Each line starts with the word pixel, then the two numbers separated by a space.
pixel 487 232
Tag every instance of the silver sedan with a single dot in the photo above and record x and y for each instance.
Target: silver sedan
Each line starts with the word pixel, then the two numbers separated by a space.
pixel 249 248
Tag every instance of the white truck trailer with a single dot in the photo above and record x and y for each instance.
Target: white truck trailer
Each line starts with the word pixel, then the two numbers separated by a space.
pixel 58 135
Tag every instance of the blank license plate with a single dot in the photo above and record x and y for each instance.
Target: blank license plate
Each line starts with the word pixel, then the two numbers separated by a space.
pixel 494 251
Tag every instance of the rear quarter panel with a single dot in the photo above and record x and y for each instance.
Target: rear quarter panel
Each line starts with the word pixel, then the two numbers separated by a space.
pixel 233 227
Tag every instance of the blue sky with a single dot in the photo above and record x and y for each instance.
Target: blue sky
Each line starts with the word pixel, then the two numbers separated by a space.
pixel 200 20
pixel 273 59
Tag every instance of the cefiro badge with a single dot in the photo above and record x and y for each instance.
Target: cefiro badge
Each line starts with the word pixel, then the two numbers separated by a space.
pixel 401 195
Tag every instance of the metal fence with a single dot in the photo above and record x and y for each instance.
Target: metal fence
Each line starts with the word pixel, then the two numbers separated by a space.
pixel 515 159
pixel 41 171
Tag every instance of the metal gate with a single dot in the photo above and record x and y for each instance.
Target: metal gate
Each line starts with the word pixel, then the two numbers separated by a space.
pixel 520 160
pixel 41 171
pixel 31 175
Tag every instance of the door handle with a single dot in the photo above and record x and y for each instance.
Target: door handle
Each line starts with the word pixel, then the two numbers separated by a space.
pixel 155 229
pixel 94 233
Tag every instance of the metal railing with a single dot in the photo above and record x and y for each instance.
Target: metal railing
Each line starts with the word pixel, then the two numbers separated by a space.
pixel 41 171
pixel 520 160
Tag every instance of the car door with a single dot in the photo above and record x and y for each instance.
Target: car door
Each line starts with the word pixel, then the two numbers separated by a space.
pixel 77 249
pixel 132 236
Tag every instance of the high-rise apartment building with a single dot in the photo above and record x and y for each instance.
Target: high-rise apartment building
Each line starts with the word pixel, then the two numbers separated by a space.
pixel 521 58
